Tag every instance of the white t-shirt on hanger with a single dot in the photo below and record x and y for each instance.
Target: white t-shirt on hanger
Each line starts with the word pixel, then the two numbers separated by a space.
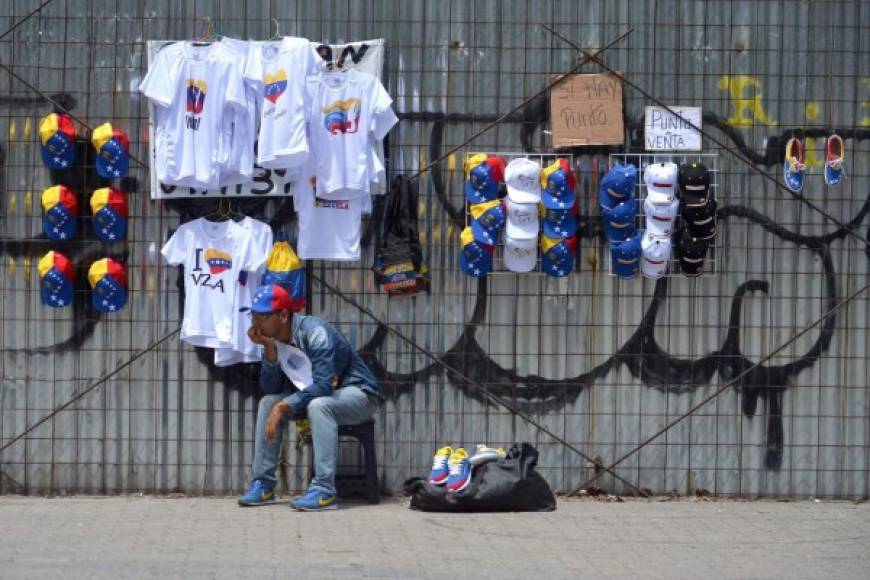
pixel 213 254
pixel 240 128
pixel 243 350
pixel 345 109
pixel 192 87
pixel 329 229
pixel 277 71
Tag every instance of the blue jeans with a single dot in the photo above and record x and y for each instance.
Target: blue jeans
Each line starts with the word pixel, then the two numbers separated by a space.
pixel 346 406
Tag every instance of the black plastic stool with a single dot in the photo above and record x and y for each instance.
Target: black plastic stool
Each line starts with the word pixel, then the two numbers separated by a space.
pixel 367 483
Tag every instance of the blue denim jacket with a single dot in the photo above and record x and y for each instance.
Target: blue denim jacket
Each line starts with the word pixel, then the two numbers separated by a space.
pixel 331 357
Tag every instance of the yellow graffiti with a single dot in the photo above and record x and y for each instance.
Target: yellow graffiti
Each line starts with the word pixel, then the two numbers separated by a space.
pixel 747 110
pixel 865 121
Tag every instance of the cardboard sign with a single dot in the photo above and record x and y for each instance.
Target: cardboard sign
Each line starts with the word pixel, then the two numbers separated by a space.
pixel 587 110
pixel 664 131
pixel 366 56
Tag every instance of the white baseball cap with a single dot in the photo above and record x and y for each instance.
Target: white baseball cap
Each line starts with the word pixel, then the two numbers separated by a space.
pixel 656 256
pixel 520 255
pixel 661 182
pixel 523 222
pixel 660 218
pixel 523 180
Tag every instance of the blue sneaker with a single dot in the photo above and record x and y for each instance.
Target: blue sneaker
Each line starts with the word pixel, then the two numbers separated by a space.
pixel 460 471
pixel 439 473
pixel 314 500
pixel 793 166
pixel 834 154
pixel 260 494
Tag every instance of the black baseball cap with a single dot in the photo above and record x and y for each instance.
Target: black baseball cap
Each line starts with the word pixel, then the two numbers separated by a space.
pixel 700 220
pixel 690 252
pixel 694 180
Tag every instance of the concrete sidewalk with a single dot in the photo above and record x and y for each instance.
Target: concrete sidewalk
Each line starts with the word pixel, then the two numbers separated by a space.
pixel 151 537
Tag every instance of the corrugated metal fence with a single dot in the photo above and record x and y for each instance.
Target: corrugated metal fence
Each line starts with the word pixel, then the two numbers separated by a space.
pixel 603 363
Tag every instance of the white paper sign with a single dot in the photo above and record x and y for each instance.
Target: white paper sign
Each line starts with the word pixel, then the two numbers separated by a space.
pixel 666 132
pixel 295 365
pixel 365 55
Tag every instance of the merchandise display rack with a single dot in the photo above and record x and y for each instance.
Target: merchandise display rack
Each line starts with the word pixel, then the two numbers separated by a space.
pixel 542 159
pixel 641 161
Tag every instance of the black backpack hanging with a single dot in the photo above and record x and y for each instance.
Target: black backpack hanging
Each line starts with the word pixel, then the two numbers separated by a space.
pixel 506 485
pixel 398 263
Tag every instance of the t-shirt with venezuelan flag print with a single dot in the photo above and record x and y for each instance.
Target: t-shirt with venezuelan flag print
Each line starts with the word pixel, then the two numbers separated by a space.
pixel 277 71
pixel 348 112
pixel 193 88
pixel 213 255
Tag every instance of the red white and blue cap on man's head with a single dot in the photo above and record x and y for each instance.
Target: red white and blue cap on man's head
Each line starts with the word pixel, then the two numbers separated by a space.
pixel 274 298
pixel 108 280
pixel 559 185
pixel 625 256
pixel 113 151
pixel 482 175
pixel 557 256
pixel 619 221
pixel 109 207
pixel 475 259
pixel 56 275
pixel 60 209
pixel 616 185
pixel 57 134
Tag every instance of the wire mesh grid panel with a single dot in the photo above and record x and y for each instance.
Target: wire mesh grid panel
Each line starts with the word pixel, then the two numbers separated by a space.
pixel 542 161
pixel 643 160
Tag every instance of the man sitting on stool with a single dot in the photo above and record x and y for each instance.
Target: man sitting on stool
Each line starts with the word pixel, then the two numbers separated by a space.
pixel 335 388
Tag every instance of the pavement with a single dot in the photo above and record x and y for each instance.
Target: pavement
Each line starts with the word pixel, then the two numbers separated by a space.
pixel 162 537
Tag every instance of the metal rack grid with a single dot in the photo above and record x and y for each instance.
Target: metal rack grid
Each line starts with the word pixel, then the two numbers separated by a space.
pixel 542 159
pixel 643 160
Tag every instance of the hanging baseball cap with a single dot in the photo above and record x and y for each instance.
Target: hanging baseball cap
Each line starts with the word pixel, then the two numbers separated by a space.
pixel 56 275
pixel 660 218
pixel 489 217
pixel 108 281
pixel 271 298
pixel 617 184
pixel 560 223
pixel 661 182
pixel 557 256
pixel 691 253
pixel 475 259
pixel 656 256
pixel 113 151
pixel 60 210
pixel 625 256
pixel 109 207
pixel 520 255
pixel 57 134
pixel 482 175
pixel 559 184
pixel 522 220
pixel 619 222
pixel 523 180
pixel 701 219
pixel 694 183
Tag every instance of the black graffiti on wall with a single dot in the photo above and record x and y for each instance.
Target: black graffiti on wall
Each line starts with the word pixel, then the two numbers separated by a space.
pixel 641 354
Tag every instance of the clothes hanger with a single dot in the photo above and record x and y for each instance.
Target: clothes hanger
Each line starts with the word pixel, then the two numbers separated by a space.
pixel 207 37
pixel 277 34
pixel 223 212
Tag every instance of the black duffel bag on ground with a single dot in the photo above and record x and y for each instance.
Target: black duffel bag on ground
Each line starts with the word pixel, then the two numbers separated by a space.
pixel 506 485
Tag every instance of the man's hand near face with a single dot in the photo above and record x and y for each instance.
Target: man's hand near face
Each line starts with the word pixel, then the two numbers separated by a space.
pixel 268 343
